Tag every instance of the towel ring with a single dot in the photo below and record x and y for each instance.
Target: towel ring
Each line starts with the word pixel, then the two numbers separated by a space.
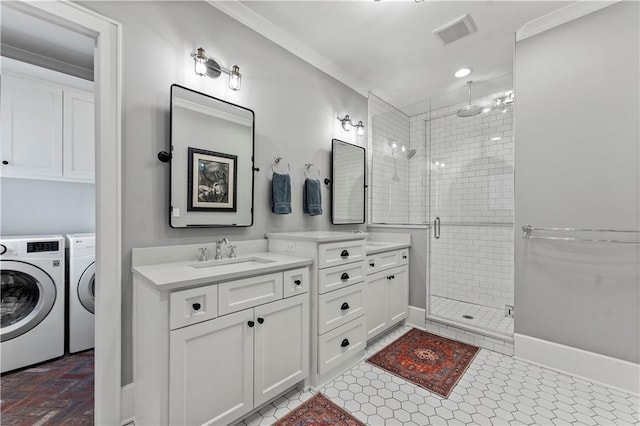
pixel 307 167
pixel 276 161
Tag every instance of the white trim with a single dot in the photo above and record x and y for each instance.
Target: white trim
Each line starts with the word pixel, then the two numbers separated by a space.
pixel 416 317
pixel 127 404
pixel 107 80
pixel 591 366
pixel 269 30
pixel 470 328
pixel 560 16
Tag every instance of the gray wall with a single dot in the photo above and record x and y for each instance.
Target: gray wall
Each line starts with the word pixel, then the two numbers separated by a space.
pixel 31 207
pixel 418 256
pixel 295 108
pixel 577 152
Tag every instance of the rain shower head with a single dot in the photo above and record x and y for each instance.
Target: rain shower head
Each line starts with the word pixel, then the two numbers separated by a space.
pixel 469 110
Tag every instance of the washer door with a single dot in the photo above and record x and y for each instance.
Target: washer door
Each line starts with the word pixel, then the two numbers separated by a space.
pixel 87 288
pixel 28 294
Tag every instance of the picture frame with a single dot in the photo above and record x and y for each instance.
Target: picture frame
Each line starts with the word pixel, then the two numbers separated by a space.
pixel 212 179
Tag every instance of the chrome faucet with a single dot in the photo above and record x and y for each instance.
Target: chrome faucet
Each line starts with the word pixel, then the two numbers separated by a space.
pixel 219 242
pixel 232 251
pixel 204 254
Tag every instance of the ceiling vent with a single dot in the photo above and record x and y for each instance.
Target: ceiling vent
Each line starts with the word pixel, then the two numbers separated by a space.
pixel 455 30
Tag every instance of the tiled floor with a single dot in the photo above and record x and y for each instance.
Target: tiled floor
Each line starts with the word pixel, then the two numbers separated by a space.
pixel 495 390
pixel 483 317
pixel 59 392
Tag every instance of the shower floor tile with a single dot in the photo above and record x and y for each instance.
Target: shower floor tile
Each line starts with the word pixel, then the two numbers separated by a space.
pixel 491 319
pixel 496 389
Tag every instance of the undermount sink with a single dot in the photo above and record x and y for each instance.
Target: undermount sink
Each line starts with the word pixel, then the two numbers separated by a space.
pixel 237 262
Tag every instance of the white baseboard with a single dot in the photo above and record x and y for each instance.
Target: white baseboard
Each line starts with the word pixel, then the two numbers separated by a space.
pixel 126 404
pixel 416 317
pixel 609 371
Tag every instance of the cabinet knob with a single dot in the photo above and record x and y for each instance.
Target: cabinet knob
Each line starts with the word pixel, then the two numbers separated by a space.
pixel 196 306
pixel 344 276
pixel 344 253
pixel 388 277
pixel 298 282
pixel 251 323
pixel 344 306
pixel 393 277
pixel 260 320
pixel 404 256
pixel 345 343
pixel 373 265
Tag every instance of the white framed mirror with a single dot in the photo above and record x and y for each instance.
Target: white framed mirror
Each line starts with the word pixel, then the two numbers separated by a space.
pixel 212 166
pixel 348 172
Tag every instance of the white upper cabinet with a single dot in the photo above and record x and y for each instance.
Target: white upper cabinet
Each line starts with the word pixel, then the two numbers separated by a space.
pixel 48 127
pixel 31 128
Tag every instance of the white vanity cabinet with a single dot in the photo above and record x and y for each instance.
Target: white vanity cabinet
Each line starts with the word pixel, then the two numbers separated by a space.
pixel 221 369
pixel 211 351
pixel 48 127
pixel 386 290
pixel 338 324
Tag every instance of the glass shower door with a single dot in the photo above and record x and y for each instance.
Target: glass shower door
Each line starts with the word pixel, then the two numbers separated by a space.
pixel 471 213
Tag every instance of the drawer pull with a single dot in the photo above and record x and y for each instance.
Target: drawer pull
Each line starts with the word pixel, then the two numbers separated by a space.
pixel 297 282
pixel 344 253
pixel 5 162
pixel 260 320
pixel 345 343
pixel 196 306
pixel 373 265
pixel 344 276
pixel 344 306
pixel 251 323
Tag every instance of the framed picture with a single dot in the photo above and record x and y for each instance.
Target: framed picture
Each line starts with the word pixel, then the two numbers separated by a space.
pixel 212 180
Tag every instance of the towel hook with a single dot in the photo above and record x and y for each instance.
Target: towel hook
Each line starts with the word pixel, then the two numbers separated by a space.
pixel 307 167
pixel 276 161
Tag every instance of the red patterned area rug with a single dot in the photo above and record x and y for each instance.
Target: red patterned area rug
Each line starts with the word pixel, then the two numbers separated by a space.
pixel 432 362
pixel 318 410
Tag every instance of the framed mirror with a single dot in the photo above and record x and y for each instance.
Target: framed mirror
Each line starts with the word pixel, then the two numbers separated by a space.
pixel 348 173
pixel 212 145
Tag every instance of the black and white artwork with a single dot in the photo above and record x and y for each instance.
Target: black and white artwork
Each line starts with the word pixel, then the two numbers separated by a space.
pixel 212 181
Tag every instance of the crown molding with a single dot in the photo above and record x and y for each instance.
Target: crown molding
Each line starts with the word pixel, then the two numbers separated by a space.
pixel 560 16
pixel 269 30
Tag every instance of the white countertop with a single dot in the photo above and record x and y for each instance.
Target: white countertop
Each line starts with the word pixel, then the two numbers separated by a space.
pixel 186 273
pixel 317 236
pixel 374 247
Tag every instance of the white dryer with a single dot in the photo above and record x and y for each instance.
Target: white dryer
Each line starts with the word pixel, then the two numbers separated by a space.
pixel 32 307
pixel 82 291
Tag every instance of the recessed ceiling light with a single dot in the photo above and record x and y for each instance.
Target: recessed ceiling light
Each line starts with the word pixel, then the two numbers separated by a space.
pixel 462 72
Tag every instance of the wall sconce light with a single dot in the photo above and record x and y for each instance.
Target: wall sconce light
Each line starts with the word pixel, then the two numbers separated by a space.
pixel 204 66
pixel 347 124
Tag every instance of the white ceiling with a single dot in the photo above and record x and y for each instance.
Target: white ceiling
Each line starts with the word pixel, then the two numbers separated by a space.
pixel 388 47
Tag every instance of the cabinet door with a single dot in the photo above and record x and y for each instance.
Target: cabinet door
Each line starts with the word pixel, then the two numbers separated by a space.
pixel 211 371
pixel 31 143
pixel 281 346
pixel 79 135
pixel 398 295
pixel 376 303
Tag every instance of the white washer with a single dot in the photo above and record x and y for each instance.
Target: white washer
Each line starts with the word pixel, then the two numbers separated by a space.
pixel 81 288
pixel 32 308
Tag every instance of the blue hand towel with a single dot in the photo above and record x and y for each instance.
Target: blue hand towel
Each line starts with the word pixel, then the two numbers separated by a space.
pixel 281 193
pixel 312 197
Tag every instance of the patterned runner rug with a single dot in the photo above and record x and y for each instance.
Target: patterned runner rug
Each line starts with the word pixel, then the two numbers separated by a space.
pixel 318 410
pixel 432 362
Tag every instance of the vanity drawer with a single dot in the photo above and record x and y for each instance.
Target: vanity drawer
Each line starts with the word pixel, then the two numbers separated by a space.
pixel 192 306
pixel 338 345
pixel 386 260
pixel 237 295
pixel 333 254
pixel 340 276
pixel 339 307
pixel 296 281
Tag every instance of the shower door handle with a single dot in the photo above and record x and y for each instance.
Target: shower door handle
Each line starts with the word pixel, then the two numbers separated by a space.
pixel 436 228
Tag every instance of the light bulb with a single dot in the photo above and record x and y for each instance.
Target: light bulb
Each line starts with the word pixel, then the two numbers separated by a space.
pixel 394 145
pixel 235 78
pixel 346 123
pixel 403 148
pixel 200 62
pixel 360 127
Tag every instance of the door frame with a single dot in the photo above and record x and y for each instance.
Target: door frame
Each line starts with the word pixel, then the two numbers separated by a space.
pixel 108 90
